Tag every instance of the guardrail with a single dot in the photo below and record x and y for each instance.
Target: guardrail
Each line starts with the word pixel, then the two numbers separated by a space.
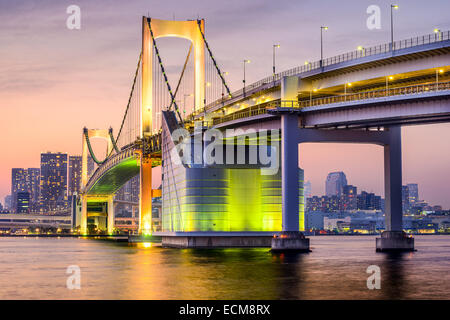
pixel 421 88
pixel 264 107
pixel 355 54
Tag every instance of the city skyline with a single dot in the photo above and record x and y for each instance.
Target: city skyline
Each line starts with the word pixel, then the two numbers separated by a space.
pixel 70 69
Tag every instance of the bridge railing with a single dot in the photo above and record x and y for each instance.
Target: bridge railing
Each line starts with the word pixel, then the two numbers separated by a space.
pixel 414 89
pixel 264 107
pixel 355 54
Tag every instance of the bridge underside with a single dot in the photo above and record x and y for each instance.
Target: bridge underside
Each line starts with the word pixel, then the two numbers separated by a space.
pixel 115 177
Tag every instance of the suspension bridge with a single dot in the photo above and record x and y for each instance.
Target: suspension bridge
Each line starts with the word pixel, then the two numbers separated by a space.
pixel 363 96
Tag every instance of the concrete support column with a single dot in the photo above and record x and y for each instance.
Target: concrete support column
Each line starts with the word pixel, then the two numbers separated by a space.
pixel 393 180
pixel 289 172
pixel 110 223
pixel 393 239
pixel 145 198
pixel 83 222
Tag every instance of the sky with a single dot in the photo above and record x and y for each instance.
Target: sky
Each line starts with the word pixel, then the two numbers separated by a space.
pixel 54 81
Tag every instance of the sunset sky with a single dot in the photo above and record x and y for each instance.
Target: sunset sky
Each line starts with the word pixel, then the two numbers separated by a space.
pixel 54 81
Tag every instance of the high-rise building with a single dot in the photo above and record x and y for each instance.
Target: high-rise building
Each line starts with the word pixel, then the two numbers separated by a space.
pixel 25 180
pixel 53 181
pixel 405 199
pixel 369 201
pixel 349 198
pixel 8 202
pixel 413 189
pixel 18 184
pixel 74 180
pixel 335 183
pixel 33 184
pixel 23 202
pixel 308 189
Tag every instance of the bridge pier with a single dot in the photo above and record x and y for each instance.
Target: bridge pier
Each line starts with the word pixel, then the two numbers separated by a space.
pixel 393 238
pixel 290 239
pixel 83 222
pixel 110 218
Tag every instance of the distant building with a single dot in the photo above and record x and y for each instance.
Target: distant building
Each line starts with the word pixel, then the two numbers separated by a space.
pixel 8 202
pixel 74 179
pixel 33 183
pixel 307 188
pixel 23 202
pixel 413 191
pixel 405 199
pixel 25 180
pixel 369 201
pixel 349 198
pixel 335 183
pixel 53 181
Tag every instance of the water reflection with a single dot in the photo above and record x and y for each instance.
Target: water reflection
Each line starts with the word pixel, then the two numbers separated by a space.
pixel 290 272
pixel 393 281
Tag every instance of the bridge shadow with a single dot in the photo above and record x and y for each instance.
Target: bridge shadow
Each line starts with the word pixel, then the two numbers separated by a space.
pixel 393 281
pixel 252 273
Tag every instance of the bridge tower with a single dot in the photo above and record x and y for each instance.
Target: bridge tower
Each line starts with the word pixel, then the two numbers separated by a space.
pixel 153 29
pixel 105 135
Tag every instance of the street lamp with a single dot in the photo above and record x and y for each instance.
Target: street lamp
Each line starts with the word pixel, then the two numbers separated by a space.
pixel 439 32
pixel 245 61
pixel 437 76
pixel 274 47
pixel 347 84
pixel 321 43
pixel 387 84
pixel 184 102
pixel 223 86
pixel 393 6
pixel 363 50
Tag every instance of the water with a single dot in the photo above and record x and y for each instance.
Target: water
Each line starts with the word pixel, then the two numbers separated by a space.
pixel 35 268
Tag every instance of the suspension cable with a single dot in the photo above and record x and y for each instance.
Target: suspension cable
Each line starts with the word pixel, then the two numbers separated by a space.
pixel 212 57
pixel 163 71
pixel 181 76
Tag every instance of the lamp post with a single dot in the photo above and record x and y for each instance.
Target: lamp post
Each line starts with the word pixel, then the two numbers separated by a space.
pixel 245 61
pixel 393 6
pixel 362 50
pixel 274 47
pixel 184 102
pixel 437 76
pixel 387 84
pixel 321 43
pixel 347 84
pixel 439 33
pixel 223 86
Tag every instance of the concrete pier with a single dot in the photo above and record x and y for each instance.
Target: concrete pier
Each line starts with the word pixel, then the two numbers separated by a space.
pixel 394 241
pixel 290 241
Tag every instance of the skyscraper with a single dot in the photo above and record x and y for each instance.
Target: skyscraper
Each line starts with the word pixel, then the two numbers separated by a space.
pixel 74 182
pixel 53 181
pixel 307 189
pixel 33 184
pixel 413 189
pixel 335 183
pixel 405 198
pixel 23 202
pixel 18 184
pixel 349 198
pixel 25 180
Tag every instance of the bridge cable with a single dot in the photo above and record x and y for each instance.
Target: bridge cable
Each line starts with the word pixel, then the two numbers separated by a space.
pixel 214 60
pixel 181 76
pixel 163 70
